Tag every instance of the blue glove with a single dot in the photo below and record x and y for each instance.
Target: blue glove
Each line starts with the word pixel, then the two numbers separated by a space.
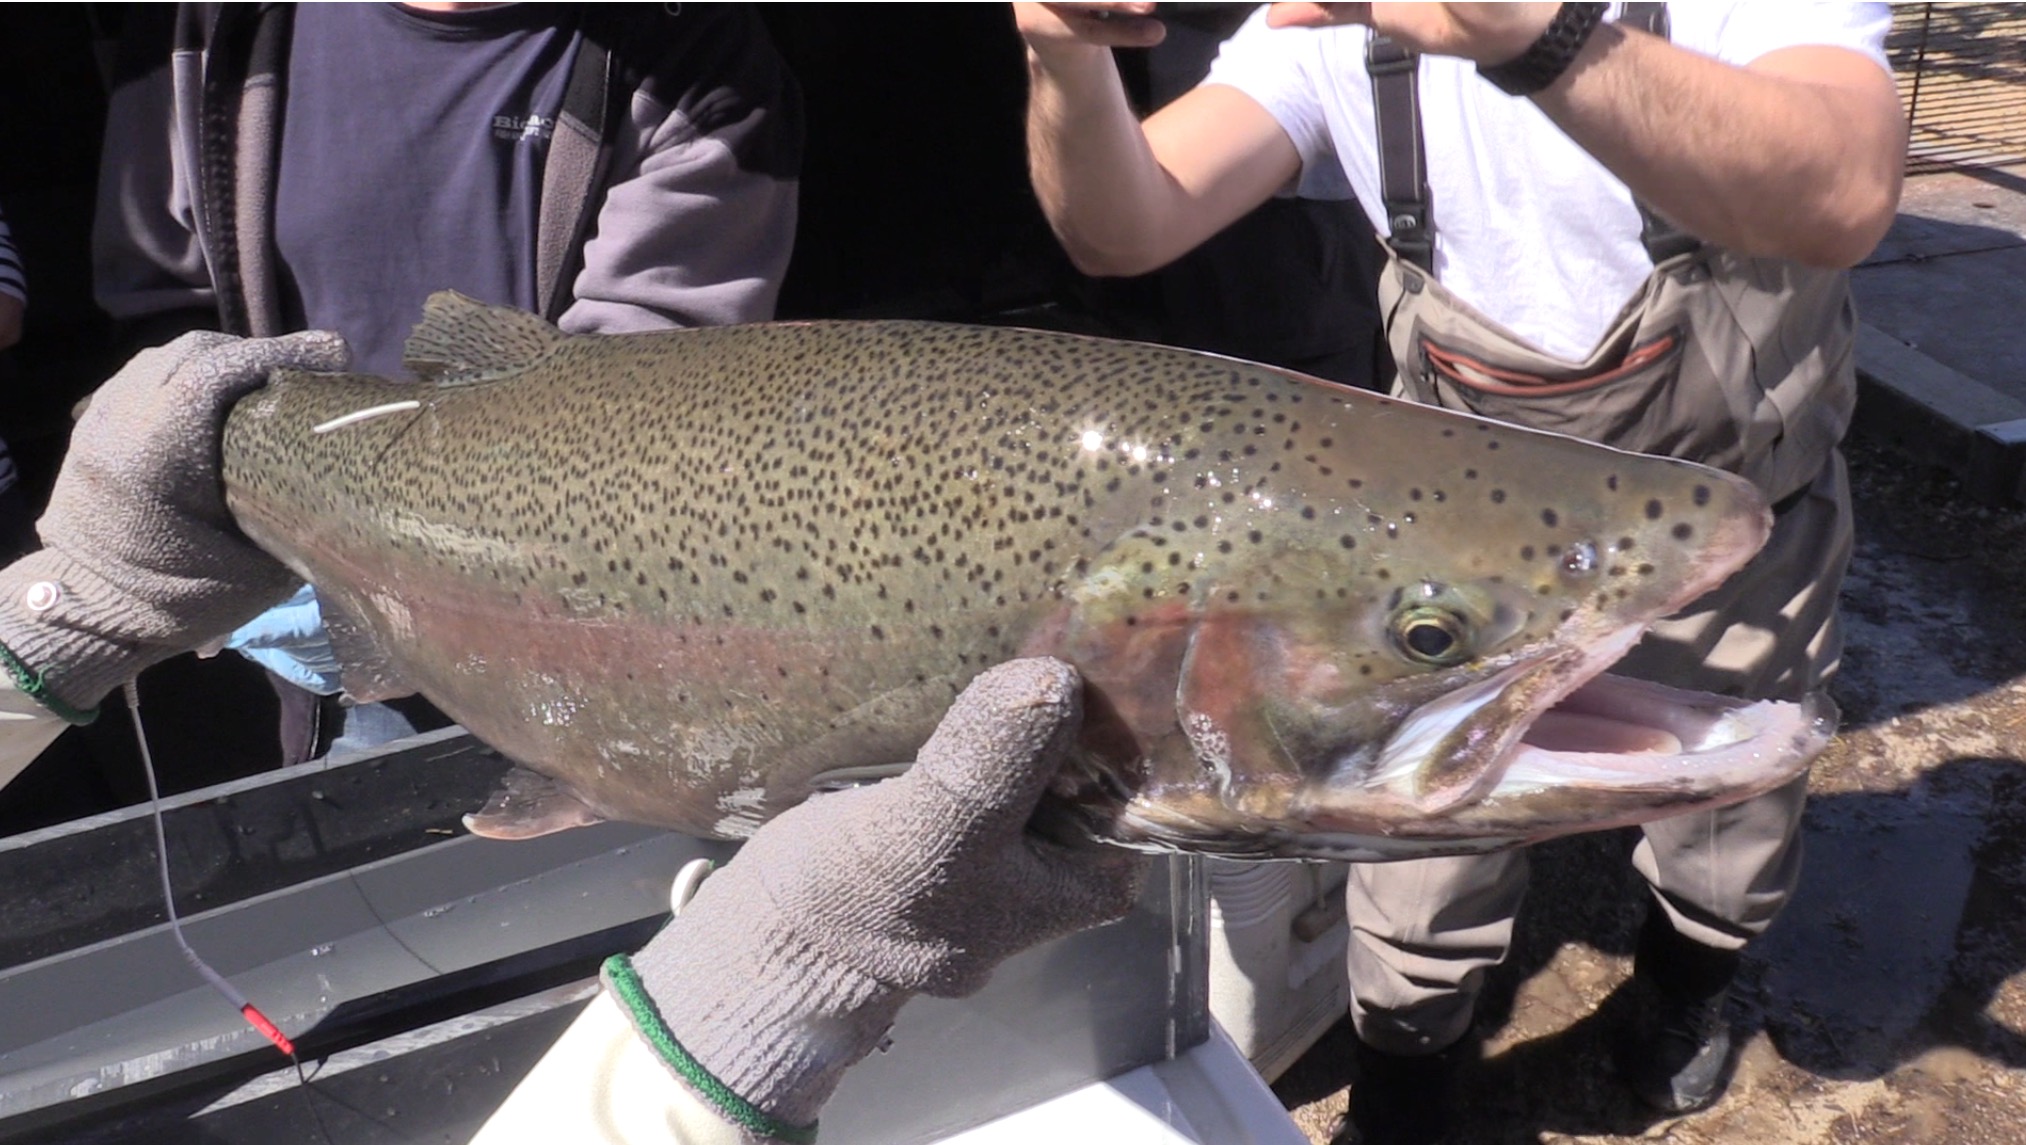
pixel 289 640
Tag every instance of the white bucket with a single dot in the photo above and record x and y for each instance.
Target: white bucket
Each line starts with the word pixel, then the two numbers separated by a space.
pixel 1277 935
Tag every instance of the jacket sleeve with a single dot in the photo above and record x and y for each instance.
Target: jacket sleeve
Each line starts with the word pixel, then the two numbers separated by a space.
pixel 698 219
pixel 148 259
pixel 26 727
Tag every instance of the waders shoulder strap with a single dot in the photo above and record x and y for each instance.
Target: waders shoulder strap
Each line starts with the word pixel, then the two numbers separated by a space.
pixel 1403 163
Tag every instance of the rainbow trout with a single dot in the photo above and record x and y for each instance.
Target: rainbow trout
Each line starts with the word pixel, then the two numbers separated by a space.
pixel 694 577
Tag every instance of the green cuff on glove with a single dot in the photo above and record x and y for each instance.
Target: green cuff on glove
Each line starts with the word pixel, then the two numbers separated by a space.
pixel 632 997
pixel 31 683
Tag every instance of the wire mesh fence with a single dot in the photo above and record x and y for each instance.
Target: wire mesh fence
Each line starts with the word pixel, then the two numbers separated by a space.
pixel 1962 75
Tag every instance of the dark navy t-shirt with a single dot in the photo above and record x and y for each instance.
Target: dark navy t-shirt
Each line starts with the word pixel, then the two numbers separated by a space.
pixel 411 158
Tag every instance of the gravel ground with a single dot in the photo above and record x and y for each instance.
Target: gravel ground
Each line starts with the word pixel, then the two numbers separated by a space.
pixel 1888 1003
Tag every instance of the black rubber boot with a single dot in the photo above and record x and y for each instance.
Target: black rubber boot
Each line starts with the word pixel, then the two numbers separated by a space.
pixel 1678 1059
pixel 1399 1100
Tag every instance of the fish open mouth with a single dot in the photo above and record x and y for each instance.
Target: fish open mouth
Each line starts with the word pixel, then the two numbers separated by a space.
pixel 1552 743
pixel 1616 732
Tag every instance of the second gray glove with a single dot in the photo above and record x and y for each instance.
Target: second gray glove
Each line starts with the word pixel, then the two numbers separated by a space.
pixel 791 963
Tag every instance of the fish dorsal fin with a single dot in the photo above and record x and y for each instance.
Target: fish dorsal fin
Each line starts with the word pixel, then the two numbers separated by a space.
pixel 461 339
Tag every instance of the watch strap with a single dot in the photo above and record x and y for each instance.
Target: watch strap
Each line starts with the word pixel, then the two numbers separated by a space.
pixel 1549 56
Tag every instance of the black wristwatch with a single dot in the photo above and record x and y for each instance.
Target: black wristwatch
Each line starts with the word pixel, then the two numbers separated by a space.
pixel 1548 57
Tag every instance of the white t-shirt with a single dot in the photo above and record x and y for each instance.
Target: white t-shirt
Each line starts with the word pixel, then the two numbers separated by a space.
pixel 1528 227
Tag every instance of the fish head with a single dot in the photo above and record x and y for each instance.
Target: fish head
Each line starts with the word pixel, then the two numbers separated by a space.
pixel 1410 660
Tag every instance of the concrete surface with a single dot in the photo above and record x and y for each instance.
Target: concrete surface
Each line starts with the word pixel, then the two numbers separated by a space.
pixel 1941 357
pixel 1888 1003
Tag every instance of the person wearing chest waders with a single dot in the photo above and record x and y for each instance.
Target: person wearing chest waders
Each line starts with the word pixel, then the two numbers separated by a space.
pixel 1628 223
pixel 738 1020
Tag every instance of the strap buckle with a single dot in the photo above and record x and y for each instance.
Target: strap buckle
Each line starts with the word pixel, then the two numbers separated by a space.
pixel 1410 238
pixel 1385 57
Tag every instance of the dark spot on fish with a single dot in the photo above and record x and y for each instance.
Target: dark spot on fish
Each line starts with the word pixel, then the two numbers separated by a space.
pixel 1308 512
pixel 1645 570
pixel 1625 544
pixel 1701 495
pixel 1526 552
pixel 1611 482
pixel 1654 509
pixel 1347 541
pixel 1683 531
pixel 1498 496
pixel 1550 518
pixel 1253 536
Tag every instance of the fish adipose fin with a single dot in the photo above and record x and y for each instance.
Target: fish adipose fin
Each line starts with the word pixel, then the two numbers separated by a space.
pixel 461 339
pixel 529 804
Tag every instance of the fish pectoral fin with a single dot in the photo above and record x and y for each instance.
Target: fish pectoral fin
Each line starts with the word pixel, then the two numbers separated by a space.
pixel 461 339
pixel 368 673
pixel 529 804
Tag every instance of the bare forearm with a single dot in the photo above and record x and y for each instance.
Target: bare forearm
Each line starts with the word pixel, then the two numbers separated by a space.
pixel 1128 197
pixel 1755 159
pixel 1092 169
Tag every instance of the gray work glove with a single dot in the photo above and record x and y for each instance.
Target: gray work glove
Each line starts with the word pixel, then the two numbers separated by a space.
pixel 790 964
pixel 140 558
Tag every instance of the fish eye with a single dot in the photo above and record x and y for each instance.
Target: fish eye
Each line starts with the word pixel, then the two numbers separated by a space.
pixel 1433 636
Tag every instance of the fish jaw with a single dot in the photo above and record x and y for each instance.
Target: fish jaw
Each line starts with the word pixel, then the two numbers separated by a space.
pixel 1614 752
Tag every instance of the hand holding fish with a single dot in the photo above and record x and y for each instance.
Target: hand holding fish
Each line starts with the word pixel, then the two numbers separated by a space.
pixel 141 559
pixel 1057 27
pixel 790 964
pixel 1483 33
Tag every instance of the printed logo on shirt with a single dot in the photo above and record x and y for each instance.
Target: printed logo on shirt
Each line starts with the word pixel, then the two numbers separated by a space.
pixel 523 128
